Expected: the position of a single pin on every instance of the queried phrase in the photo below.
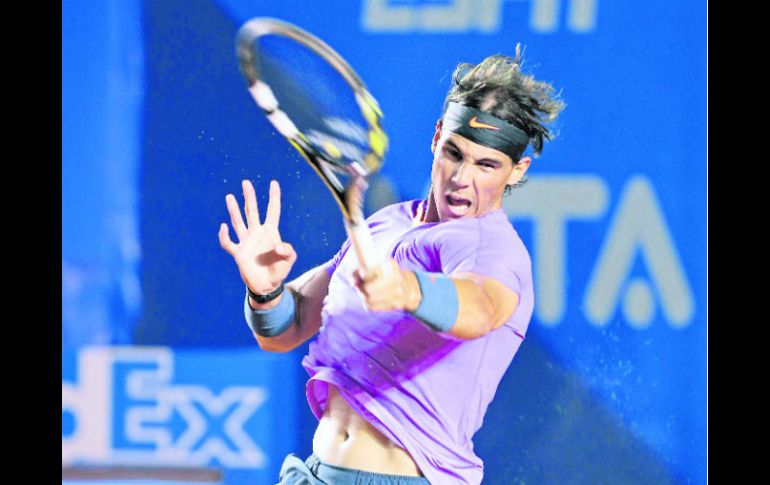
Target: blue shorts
(314, 472)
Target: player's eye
(454, 154)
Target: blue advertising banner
(610, 385)
(155, 406)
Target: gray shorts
(314, 472)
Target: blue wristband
(439, 305)
(272, 322)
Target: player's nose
(462, 175)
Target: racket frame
(349, 197)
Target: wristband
(265, 298)
(439, 305)
(272, 322)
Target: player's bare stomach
(345, 439)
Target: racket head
(315, 99)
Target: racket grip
(361, 240)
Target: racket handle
(361, 240)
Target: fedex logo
(125, 409)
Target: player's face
(468, 179)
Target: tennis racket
(314, 98)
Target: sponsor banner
(153, 406)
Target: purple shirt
(426, 391)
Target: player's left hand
(388, 287)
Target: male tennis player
(408, 356)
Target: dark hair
(498, 87)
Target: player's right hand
(263, 260)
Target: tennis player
(408, 356)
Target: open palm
(263, 259)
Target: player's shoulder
(498, 231)
(490, 234)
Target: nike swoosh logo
(474, 123)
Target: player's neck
(429, 212)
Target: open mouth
(458, 204)
(458, 201)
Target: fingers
(235, 216)
(225, 241)
(286, 251)
(273, 215)
(250, 203)
(358, 280)
(383, 287)
(373, 286)
(385, 269)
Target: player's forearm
(466, 306)
(308, 292)
(286, 340)
(480, 309)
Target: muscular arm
(309, 291)
(264, 261)
(484, 304)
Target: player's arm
(292, 316)
(484, 304)
(465, 305)
(308, 292)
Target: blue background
(157, 127)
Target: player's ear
(519, 169)
(436, 136)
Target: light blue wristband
(439, 305)
(272, 322)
